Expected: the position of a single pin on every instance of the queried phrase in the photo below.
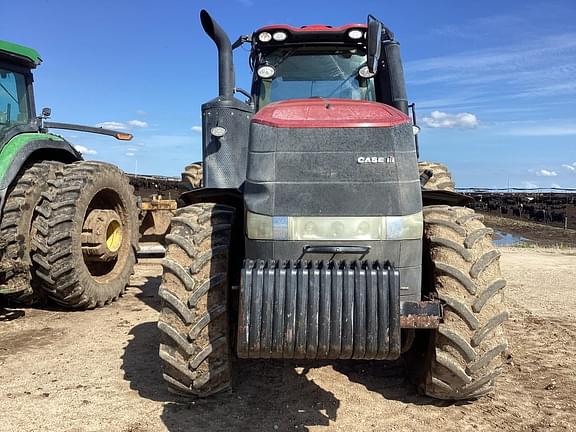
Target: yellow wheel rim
(114, 236)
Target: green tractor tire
(85, 236)
(23, 196)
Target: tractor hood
(329, 113)
(331, 157)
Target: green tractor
(68, 227)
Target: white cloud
(507, 72)
(197, 129)
(138, 123)
(141, 112)
(570, 167)
(85, 150)
(112, 125)
(546, 173)
(130, 154)
(439, 119)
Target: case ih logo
(375, 159)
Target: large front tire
(86, 236)
(464, 356)
(194, 321)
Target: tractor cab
(310, 62)
(355, 61)
(16, 95)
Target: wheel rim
(105, 236)
(114, 236)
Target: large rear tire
(194, 321)
(464, 356)
(19, 212)
(441, 178)
(86, 235)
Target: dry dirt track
(98, 371)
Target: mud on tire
(19, 212)
(57, 253)
(194, 320)
(441, 178)
(464, 356)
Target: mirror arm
(245, 93)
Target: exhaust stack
(225, 61)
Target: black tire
(441, 178)
(194, 323)
(19, 211)
(462, 359)
(59, 262)
(193, 176)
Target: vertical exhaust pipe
(225, 61)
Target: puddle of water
(503, 239)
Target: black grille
(319, 310)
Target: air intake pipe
(396, 76)
(225, 61)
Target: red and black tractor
(315, 235)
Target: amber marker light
(124, 136)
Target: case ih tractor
(68, 228)
(315, 236)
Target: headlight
(364, 72)
(355, 34)
(279, 36)
(338, 228)
(258, 227)
(266, 72)
(264, 37)
(404, 227)
(317, 228)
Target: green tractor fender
(31, 147)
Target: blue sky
(494, 81)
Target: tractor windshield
(307, 72)
(14, 107)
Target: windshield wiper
(352, 75)
(284, 57)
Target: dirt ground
(99, 371)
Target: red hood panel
(329, 113)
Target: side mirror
(374, 43)
(46, 112)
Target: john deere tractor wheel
(19, 211)
(464, 356)
(192, 176)
(86, 235)
(194, 321)
(441, 178)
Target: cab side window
(13, 99)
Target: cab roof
(315, 34)
(19, 54)
(311, 28)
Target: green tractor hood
(19, 54)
